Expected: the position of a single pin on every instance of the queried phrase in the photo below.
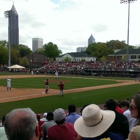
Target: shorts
(47, 86)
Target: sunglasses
(132, 107)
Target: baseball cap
(59, 114)
(45, 114)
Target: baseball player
(9, 83)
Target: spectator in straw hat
(94, 123)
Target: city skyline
(69, 23)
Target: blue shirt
(72, 117)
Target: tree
(23, 50)
(14, 56)
(67, 59)
(40, 51)
(98, 50)
(115, 44)
(91, 49)
(101, 50)
(51, 50)
(24, 61)
(3, 43)
(3, 55)
(104, 58)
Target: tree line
(18, 53)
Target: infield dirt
(20, 94)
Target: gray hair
(20, 124)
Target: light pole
(8, 14)
(31, 64)
(128, 2)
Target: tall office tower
(13, 27)
(81, 49)
(37, 43)
(91, 40)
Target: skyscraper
(13, 27)
(37, 43)
(91, 39)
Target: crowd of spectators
(117, 120)
(78, 67)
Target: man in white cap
(8, 83)
(94, 123)
(44, 119)
(61, 131)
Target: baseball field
(27, 91)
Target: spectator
(121, 124)
(73, 116)
(2, 131)
(48, 124)
(94, 123)
(21, 124)
(43, 119)
(61, 131)
(40, 123)
(132, 121)
(81, 110)
(135, 113)
(118, 109)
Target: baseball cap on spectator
(45, 114)
(59, 114)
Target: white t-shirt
(8, 82)
(56, 73)
(132, 121)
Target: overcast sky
(69, 23)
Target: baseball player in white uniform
(9, 83)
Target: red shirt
(61, 86)
(62, 132)
(46, 82)
(118, 109)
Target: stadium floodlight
(127, 2)
(8, 14)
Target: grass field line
(47, 76)
(40, 94)
(99, 87)
(98, 78)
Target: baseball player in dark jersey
(46, 86)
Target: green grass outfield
(70, 82)
(49, 103)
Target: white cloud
(69, 23)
